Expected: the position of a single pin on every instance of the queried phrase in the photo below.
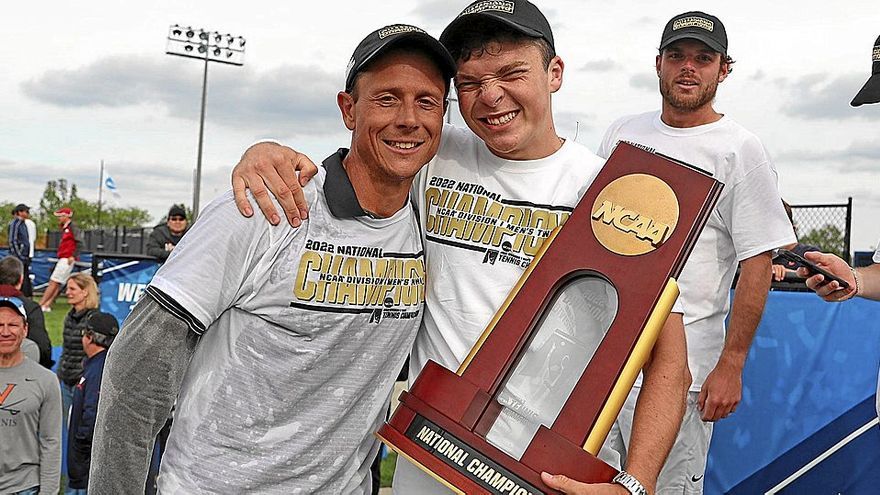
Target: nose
(406, 116)
(491, 93)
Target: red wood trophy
(542, 386)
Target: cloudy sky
(90, 81)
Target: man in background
(165, 237)
(11, 278)
(30, 412)
(68, 253)
(747, 224)
(22, 237)
(101, 329)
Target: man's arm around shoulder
(141, 380)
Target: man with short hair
(286, 357)
(165, 237)
(30, 412)
(747, 224)
(22, 237)
(511, 173)
(68, 253)
(11, 279)
(100, 330)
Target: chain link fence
(123, 240)
(826, 226)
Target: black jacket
(36, 324)
(72, 353)
(158, 237)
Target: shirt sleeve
(211, 268)
(50, 438)
(754, 214)
(606, 146)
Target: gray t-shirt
(30, 428)
(306, 330)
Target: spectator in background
(165, 237)
(82, 294)
(68, 253)
(100, 330)
(11, 277)
(30, 419)
(22, 236)
(780, 265)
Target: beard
(679, 101)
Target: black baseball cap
(698, 26)
(521, 15)
(870, 92)
(381, 40)
(177, 211)
(20, 207)
(102, 323)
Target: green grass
(55, 319)
(386, 469)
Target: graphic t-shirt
(747, 220)
(484, 218)
(305, 331)
(30, 428)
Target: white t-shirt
(748, 219)
(483, 218)
(306, 330)
(32, 234)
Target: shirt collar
(338, 190)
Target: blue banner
(44, 261)
(123, 280)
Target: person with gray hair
(11, 280)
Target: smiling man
(284, 355)
(747, 223)
(487, 202)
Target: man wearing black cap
(747, 224)
(487, 202)
(30, 411)
(870, 92)
(165, 237)
(284, 353)
(22, 237)
(100, 330)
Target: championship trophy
(542, 386)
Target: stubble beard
(688, 103)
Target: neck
(13, 359)
(93, 350)
(377, 194)
(674, 117)
(79, 307)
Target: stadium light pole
(209, 46)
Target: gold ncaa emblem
(634, 214)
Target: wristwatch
(630, 482)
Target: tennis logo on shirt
(634, 214)
(469, 216)
(360, 279)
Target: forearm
(661, 404)
(748, 306)
(141, 380)
(869, 282)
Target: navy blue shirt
(82, 421)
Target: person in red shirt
(68, 253)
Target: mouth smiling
(500, 119)
(403, 145)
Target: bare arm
(270, 167)
(142, 376)
(658, 413)
(722, 390)
(868, 285)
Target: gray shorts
(685, 467)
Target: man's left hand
(71, 260)
(721, 392)
(567, 485)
